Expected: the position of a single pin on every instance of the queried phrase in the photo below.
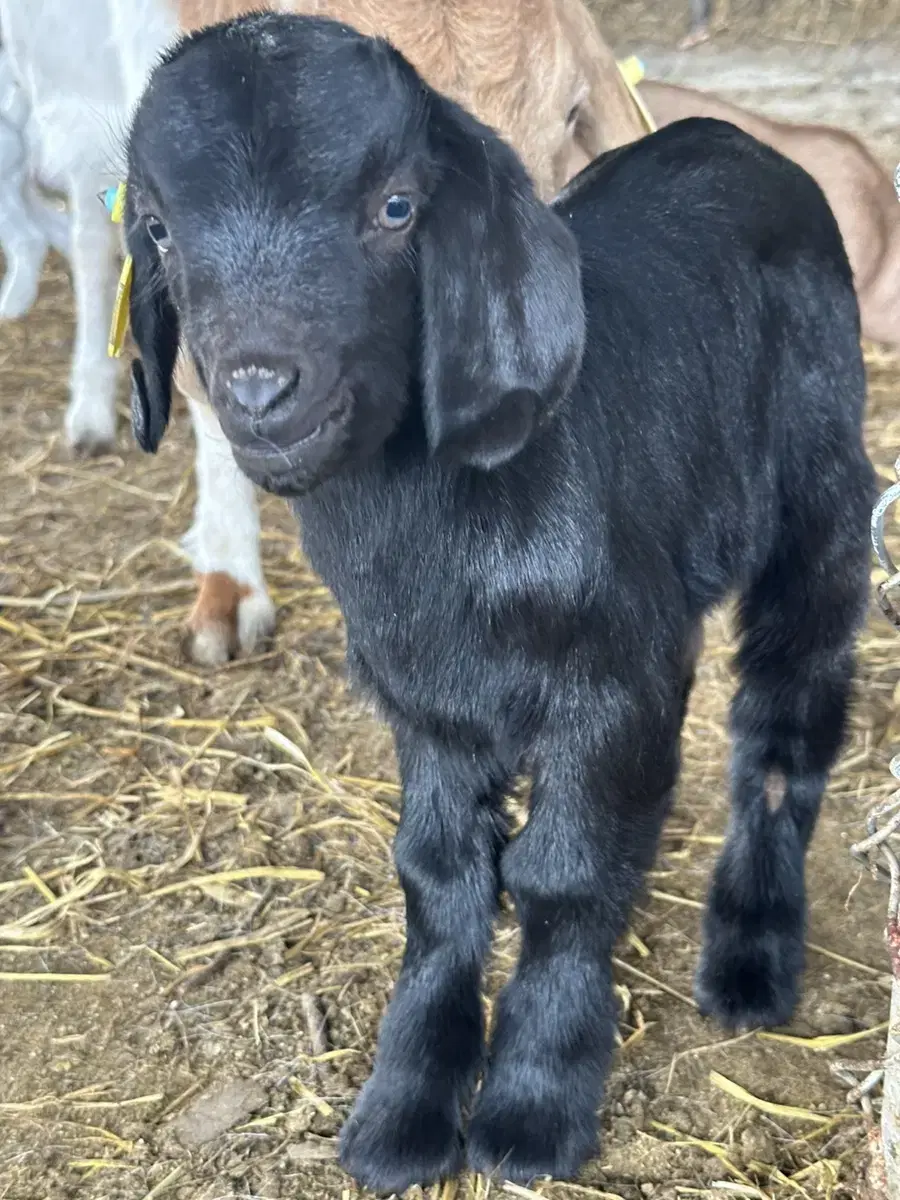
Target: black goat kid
(529, 448)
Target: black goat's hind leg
(406, 1127)
(799, 623)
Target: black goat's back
(723, 369)
(707, 180)
(718, 406)
(716, 415)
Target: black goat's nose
(257, 387)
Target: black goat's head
(328, 237)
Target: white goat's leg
(22, 239)
(52, 221)
(233, 612)
(699, 32)
(91, 415)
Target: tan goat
(535, 70)
(858, 189)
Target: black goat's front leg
(601, 794)
(406, 1127)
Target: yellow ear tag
(114, 199)
(119, 322)
(632, 71)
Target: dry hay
(196, 883)
(757, 23)
(196, 887)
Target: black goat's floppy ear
(502, 308)
(154, 327)
(142, 422)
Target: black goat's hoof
(748, 981)
(393, 1140)
(521, 1139)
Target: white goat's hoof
(90, 429)
(256, 621)
(228, 619)
(91, 443)
(17, 298)
(696, 37)
(210, 645)
(22, 280)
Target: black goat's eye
(396, 213)
(159, 233)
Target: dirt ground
(199, 920)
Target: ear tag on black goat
(114, 200)
(632, 71)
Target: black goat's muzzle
(283, 425)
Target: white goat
(28, 224)
(68, 80)
(68, 111)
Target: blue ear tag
(109, 198)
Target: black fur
(543, 614)
(154, 325)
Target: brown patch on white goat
(212, 628)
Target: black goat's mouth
(261, 457)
